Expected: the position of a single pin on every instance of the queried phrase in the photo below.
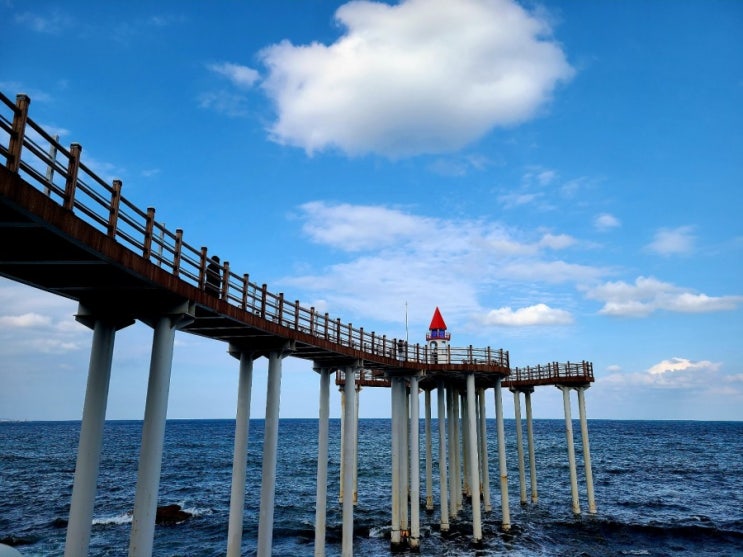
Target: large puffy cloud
(648, 294)
(422, 76)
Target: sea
(662, 488)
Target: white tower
(438, 339)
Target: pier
(67, 231)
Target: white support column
(270, 449)
(484, 453)
(321, 497)
(457, 453)
(415, 526)
(451, 418)
(532, 452)
(357, 391)
(586, 449)
(343, 444)
(519, 446)
(466, 441)
(506, 520)
(240, 456)
(91, 437)
(395, 534)
(153, 433)
(405, 460)
(571, 448)
(474, 472)
(429, 454)
(443, 483)
(349, 458)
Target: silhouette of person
(213, 276)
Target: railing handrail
(82, 191)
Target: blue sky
(562, 179)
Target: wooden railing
(552, 372)
(44, 163)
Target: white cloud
(674, 365)
(23, 321)
(422, 76)
(673, 241)
(605, 221)
(673, 373)
(648, 294)
(539, 314)
(52, 24)
(224, 102)
(240, 76)
(398, 255)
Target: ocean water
(662, 488)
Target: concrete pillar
(457, 453)
(519, 446)
(270, 448)
(153, 432)
(506, 512)
(395, 533)
(91, 437)
(484, 453)
(405, 460)
(452, 453)
(349, 458)
(586, 449)
(357, 390)
(321, 497)
(466, 441)
(343, 444)
(571, 448)
(429, 454)
(474, 472)
(415, 526)
(240, 456)
(443, 483)
(530, 440)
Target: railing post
(338, 330)
(17, 132)
(71, 183)
(361, 338)
(246, 286)
(296, 315)
(326, 325)
(177, 251)
(373, 347)
(225, 280)
(148, 228)
(264, 290)
(113, 208)
(312, 320)
(280, 310)
(202, 268)
(350, 335)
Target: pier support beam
(571, 448)
(270, 446)
(321, 498)
(153, 430)
(240, 456)
(452, 449)
(415, 525)
(586, 449)
(443, 482)
(429, 454)
(506, 512)
(484, 452)
(349, 473)
(91, 431)
(474, 472)
(395, 533)
(519, 445)
(530, 441)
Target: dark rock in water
(59, 523)
(14, 541)
(169, 515)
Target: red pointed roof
(437, 322)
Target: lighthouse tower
(438, 339)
